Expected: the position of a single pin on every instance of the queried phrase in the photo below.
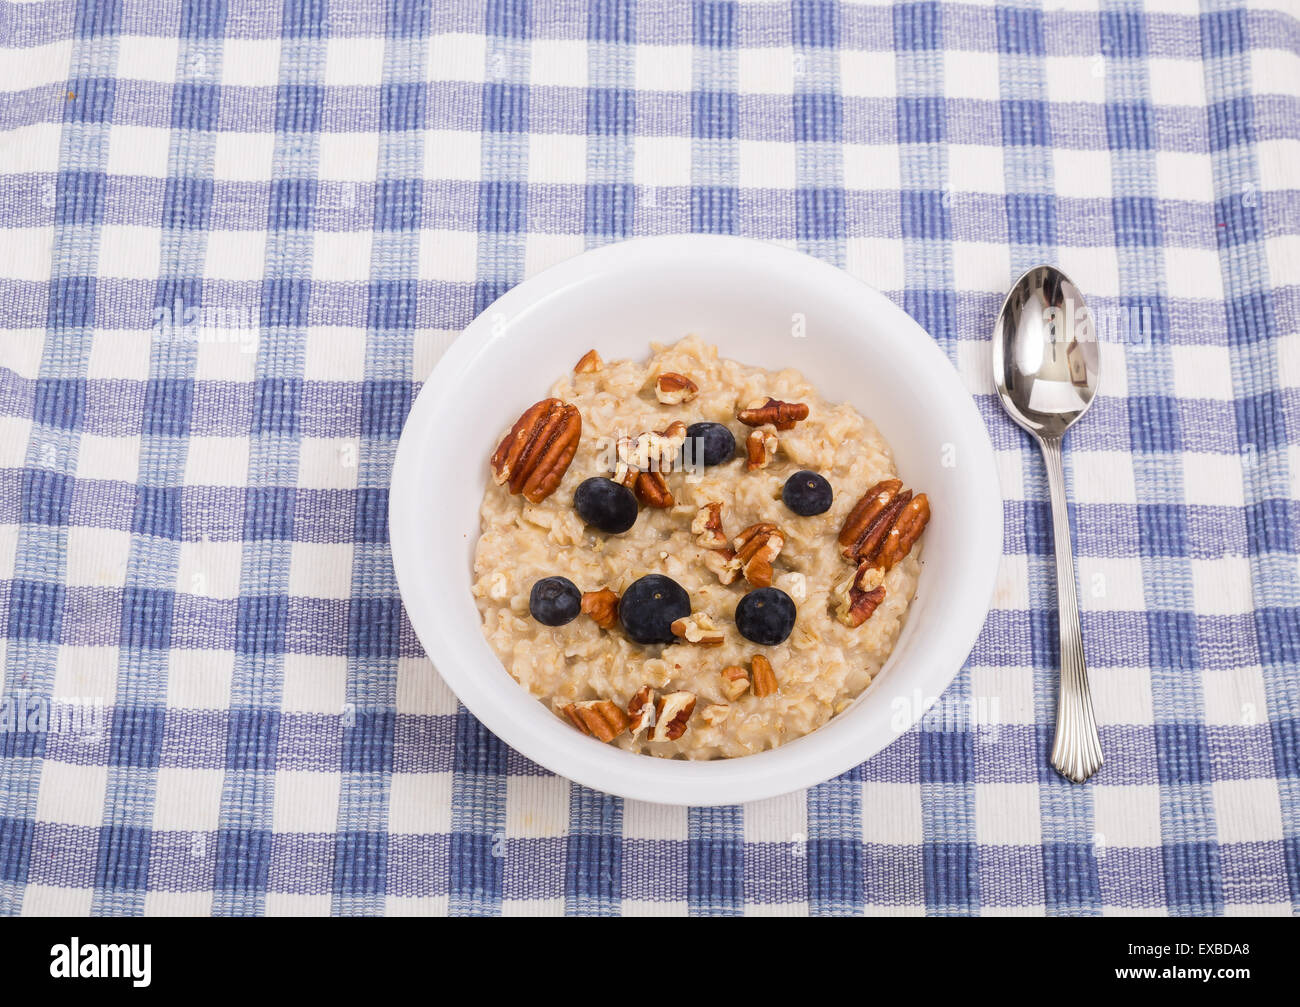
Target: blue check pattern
(238, 235)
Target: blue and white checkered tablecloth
(236, 237)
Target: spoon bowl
(1045, 360)
(1046, 368)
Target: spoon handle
(1076, 753)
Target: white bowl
(748, 298)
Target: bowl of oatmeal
(695, 520)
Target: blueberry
(807, 493)
(709, 444)
(650, 606)
(555, 601)
(765, 616)
(605, 504)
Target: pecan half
(535, 454)
(699, 629)
(673, 389)
(671, 714)
(602, 606)
(764, 678)
(871, 518)
(756, 547)
(719, 561)
(782, 415)
(884, 525)
(641, 710)
(707, 526)
(589, 364)
(599, 718)
(735, 680)
(909, 524)
(760, 448)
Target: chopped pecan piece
(643, 461)
(624, 471)
(600, 718)
(756, 547)
(764, 678)
(735, 680)
(654, 450)
(674, 436)
(671, 714)
(535, 454)
(868, 577)
(651, 488)
(673, 389)
(884, 525)
(707, 526)
(698, 628)
(719, 561)
(589, 364)
(760, 448)
(863, 604)
(641, 710)
(859, 595)
(602, 606)
(715, 714)
(782, 415)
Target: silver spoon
(1045, 368)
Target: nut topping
(760, 447)
(641, 710)
(599, 718)
(907, 528)
(867, 577)
(719, 561)
(884, 525)
(698, 628)
(716, 714)
(859, 595)
(589, 364)
(782, 415)
(651, 489)
(624, 471)
(673, 389)
(535, 454)
(854, 605)
(643, 462)
(735, 680)
(863, 604)
(864, 527)
(654, 450)
(764, 677)
(671, 714)
(878, 533)
(707, 526)
(756, 547)
(602, 606)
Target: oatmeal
(751, 576)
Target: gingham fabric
(237, 236)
